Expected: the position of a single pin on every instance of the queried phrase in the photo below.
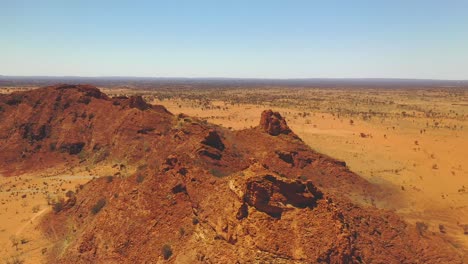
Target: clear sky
(238, 38)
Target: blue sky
(272, 39)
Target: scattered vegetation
(14, 260)
(181, 231)
(53, 146)
(82, 155)
(442, 229)
(465, 229)
(422, 228)
(14, 242)
(98, 206)
(58, 204)
(36, 208)
(166, 251)
(140, 178)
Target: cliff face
(205, 194)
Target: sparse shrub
(14, 260)
(36, 208)
(146, 147)
(195, 220)
(140, 178)
(109, 179)
(14, 242)
(84, 100)
(442, 229)
(57, 206)
(100, 155)
(166, 251)
(435, 167)
(98, 206)
(82, 155)
(421, 227)
(465, 229)
(53, 146)
(180, 124)
(181, 231)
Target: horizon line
(234, 78)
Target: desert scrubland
(413, 141)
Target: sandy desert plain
(413, 140)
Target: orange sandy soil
(24, 199)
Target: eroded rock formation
(274, 124)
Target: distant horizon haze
(227, 83)
(222, 78)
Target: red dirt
(207, 194)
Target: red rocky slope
(206, 194)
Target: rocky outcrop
(213, 140)
(212, 146)
(274, 124)
(272, 195)
(138, 103)
(84, 89)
